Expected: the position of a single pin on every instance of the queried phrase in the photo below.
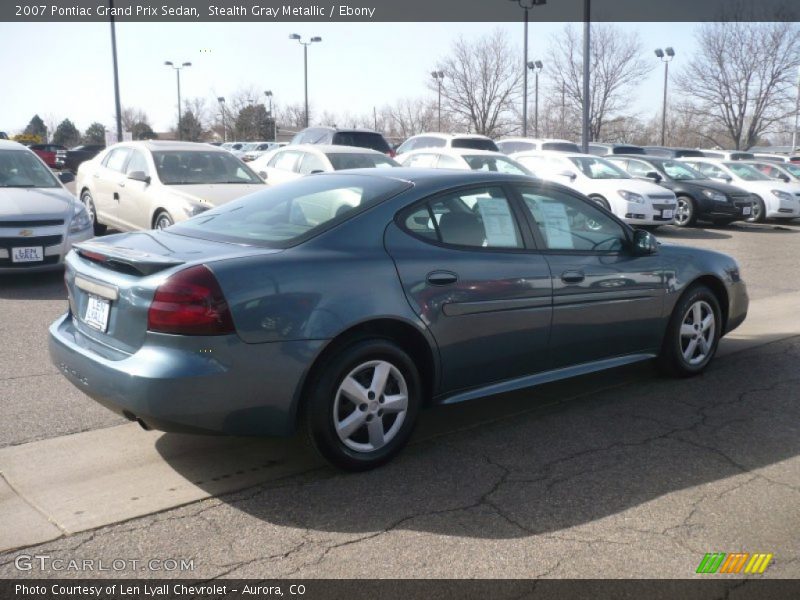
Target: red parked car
(47, 152)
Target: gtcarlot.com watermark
(45, 562)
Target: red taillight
(391, 153)
(190, 302)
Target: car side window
(310, 163)
(711, 170)
(569, 223)
(422, 160)
(116, 159)
(406, 146)
(137, 163)
(478, 218)
(285, 160)
(448, 162)
(638, 168)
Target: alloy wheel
(683, 212)
(697, 333)
(370, 406)
(163, 221)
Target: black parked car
(360, 138)
(698, 196)
(72, 159)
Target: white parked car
(772, 199)
(521, 144)
(39, 218)
(260, 149)
(728, 154)
(463, 159)
(471, 141)
(292, 162)
(785, 171)
(635, 201)
(153, 184)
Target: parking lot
(622, 474)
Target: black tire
(326, 404)
(685, 212)
(601, 201)
(759, 211)
(88, 202)
(162, 220)
(673, 357)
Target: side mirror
(654, 176)
(727, 178)
(66, 177)
(784, 178)
(568, 174)
(315, 171)
(644, 243)
(139, 176)
(263, 175)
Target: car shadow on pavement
(45, 285)
(695, 233)
(551, 458)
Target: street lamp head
(530, 65)
(670, 52)
(539, 65)
(294, 36)
(268, 93)
(659, 53)
(168, 63)
(186, 64)
(221, 99)
(316, 38)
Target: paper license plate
(746, 210)
(667, 214)
(97, 311)
(27, 254)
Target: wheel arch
(409, 337)
(154, 215)
(717, 287)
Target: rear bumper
(191, 384)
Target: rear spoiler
(124, 259)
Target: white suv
(771, 199)
(635, 201)
(471, 141)
(521, 144)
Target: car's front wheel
(91, 209)
(692, 334)
(759, 211)
(363, 404)
(685, 213)
(162, 220)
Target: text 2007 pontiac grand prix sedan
(346, 302)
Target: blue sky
(63, 70)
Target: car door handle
(572, 277)
(442, 278)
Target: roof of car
(455, 152)
(451, 136)
(420, 175)
(331, 149)
(11, 145)
(170, 145)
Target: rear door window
(361, 139)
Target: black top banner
(397, 10)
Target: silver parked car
(153, 184)
(39, 218)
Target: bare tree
(616, 67)
(482, 84)
(410, 116)
(742, 77)
(291, 117)
(130, 116)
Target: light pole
(587, 51)
(296, 36)
(796, 114)
(666, 55)
(527, 5)
(178, 73)
(439, 76)
(221, 101)
(268, 94)
(117, 104)
(536, 66)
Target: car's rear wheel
(759, 211)
(88, 202)
(162, 220)
(692, 334)
(685, 212)
(363, 404)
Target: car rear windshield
(628, 150)
(197, 167)
(474, 144)
(351, 160)
(361, 139)
(22, 169)
(499, 164)
(561, 146)
(288, 214)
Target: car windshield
(292, 212)
(474, 144)
(22, 169)
(560, 147)
(746, 172)
(597, 168)
(197, 167)
(511, 147)
(680, 171)
(495, 163)
(351, 160)
(793, 169)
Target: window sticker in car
(554, 222)
(498, 223)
